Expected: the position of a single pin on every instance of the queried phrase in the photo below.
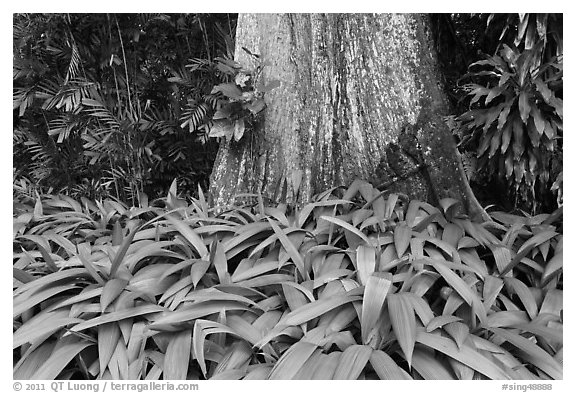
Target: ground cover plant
(357, 284)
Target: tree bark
(360, 97)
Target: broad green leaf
(90, 268)
(524, 106)
(292, 360)
(22, 276)
(492, 287)
(549, 333)
(429, 367)
(64, 351)
(108, 338)
(31, 361)
(535, 355)
(525, 295)
(171, 320)
(386, 367)
(110, 292)
(203, 328)
(177, 355)
(403, 323)
(348, 227)
(462, 288)
(136, 341)
(553, 302)
(117, 234)
(440, 321)
(308, 369)
(402, 236)
(117, 316)
(191, 236)
(316, 309)
(528, 246)
(180, 287)
(218, 259)
(421, 307)
(294, 298)
(506, 318)
(327, 367)
(236, 357)
(377, 287)
(198, 270)
(290, 248)
(458, 331)
(118, 259)
(259, 372)
(29, 302)
(256, 270)
(365, 262)
(41, 326)
(553, 267)
(213, 294)
(468, 356)
(352, 362)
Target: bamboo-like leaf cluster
(353, 285)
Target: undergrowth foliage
(357, 284)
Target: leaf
(458, 331)
(117, 316)
(440, 321)
(365, 262)
(42, 326)
(524, 106)
(229, 90)
(377, 287)
(402, 236)
(122, 251)
(117, 234)
(110, 292)
(530, 244)
(535, 355)
(292, 360)
(470, 357)
(462, 288)
(221, 128)
(525, 295)
(191, 236)
(26, 304)
(386, 367)
(315, 309)
(290, 248)
(177, 355)
(198, 270)
(108, 338)
(218, 259)
(403, 323)
(327, 367)
(553, 267)
(352, 362)
(171, 320)
(429, 367)
(347, 226)
(64, 351)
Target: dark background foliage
(119, 105)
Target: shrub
(357, 284)
(515, 120)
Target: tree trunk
(360, 97)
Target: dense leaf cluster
(512, 127)
(101, 101)
(357, 284)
